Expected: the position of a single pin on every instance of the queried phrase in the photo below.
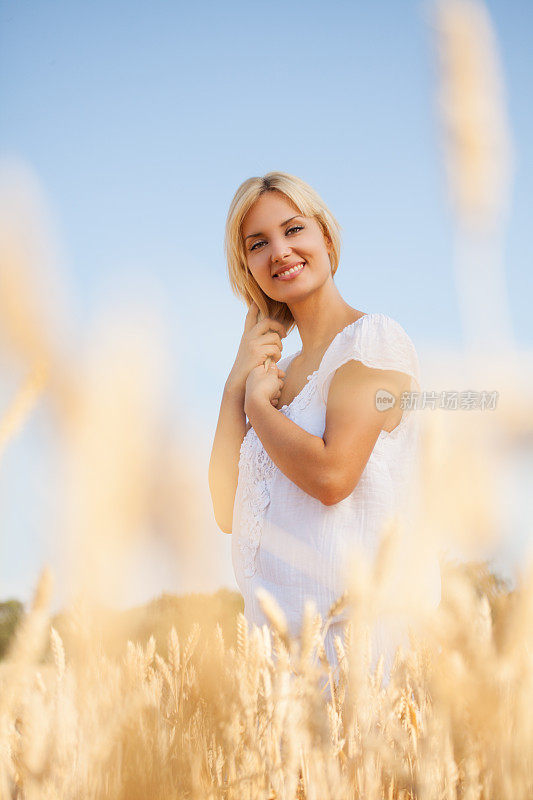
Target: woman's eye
(294, 228)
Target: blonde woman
(318, 465)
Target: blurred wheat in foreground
(205, 719)
(198, 705)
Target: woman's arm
(298, 454)
(329, 467)
(259, 341)
(224, 461)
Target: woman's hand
(263, 386)
(259, 340)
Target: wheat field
(201, 717)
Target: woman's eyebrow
(251, 235)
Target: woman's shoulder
(375, 333)
(377, 340)
(394, 336)
(378, 321)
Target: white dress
(292, 544)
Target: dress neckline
(315, 372)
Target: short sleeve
(377, 341)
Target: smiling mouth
(287, 274)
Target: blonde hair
(308, 203)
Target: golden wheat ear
(268, 358)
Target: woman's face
(276, 236)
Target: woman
(321, 463)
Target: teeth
(292, 269)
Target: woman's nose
(278, 250)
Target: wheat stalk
(58, 651)
(274, 614)
(25, 399)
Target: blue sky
(141, 119)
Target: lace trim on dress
(257, 469)
(305, 395)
